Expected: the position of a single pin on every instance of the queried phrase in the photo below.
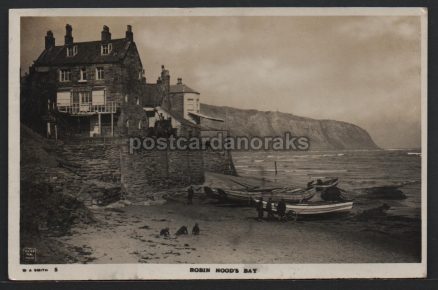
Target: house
(80, 88)
(98, 89)
(184, 102)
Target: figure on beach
(195, 230)
(269, 209)
(259, 208)
(190, 193)
(281, 209)
(165, 232)
(182, 231)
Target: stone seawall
(147, 169)
(109, 161)
(98, 161)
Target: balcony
(89, 108)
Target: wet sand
(231, 234)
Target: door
(85, 101)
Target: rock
(374, 213)
(383, 192)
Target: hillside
(323, 134)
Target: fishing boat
(323, 183)
(289, 196)
(319, 207)
(292, 195)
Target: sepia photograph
(217, 143)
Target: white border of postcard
(182, 271)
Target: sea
(357, 170)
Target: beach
(230, 234)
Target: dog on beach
(164, 232)
(195, 230)
(182, 231)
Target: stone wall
(98, 160)
(109, 160)
(147, 169)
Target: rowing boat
(323, 183)
(294, 196)
(314, 208)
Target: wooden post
(275, 164)
(112, 124)
(100, 124)
(56, 132)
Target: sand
(231, 234)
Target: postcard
(217, 143)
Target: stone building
(85, 89)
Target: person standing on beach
(259, 208)
(190, 194)
(269, 209)
(281, 209)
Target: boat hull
(245, 196)
(314, 208)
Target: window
(100, 73)
(63, 98)
(64, 75)
(83, 75)
(137, 100)
(98, 97)
(85, 97)
(106, 49)
(139, 124)
(127, 123)
(72, 50)
(140, 74)
(190, 104)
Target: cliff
(323, 134)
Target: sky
(359, 69)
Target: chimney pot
(179, 81)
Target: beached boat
(289, 196)
(292, 195)
(320, 207)
(323, 183)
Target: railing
(109, 107)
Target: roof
(179, 119)
(181, 88)
(88, 53)
(206, 117)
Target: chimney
(50, 40)
(165, 76)
(68, 35)
(129, 34)
(179, 81)
(106, 34)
